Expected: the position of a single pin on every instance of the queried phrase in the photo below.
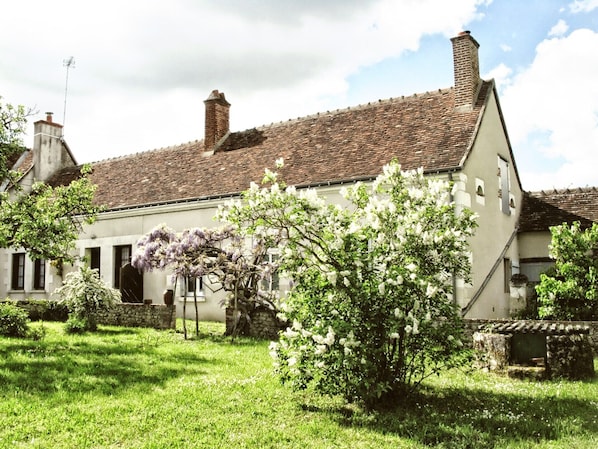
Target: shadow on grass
(470, 418)
(86, 363)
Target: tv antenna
(68, 63)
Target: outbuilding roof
(544, 209)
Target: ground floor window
(122, 256)
(190, 287)
(39, 274)
(18, 272)
(271, 281)
(93, 258)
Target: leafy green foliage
(13, 122)
(85, 294)
(569, 291)
(13, 320)
(370, 307)
(46, 220)
(75, 325)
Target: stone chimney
(48, 148)
(217, 119)
(467, 70)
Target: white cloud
(145, 67)
(551, 108)
(559, 29)
(501, 75)
(583, 6)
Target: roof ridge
(138, 153)
(361, 106)
(564, 190)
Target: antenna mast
(68, 63)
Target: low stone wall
(262, 323)
(569, 357)
(158, 316)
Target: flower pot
(169, 297)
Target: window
(18, 272)
(39, 274)
(480, 189)
(122, 256)
(503, 175)
(271, 281)
(508, 272)
(93, 258)
(193, 285)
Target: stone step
(526, 372)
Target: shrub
(37, 333)
(76, 325)
(13, 320)
(371, 307)
(569, 290)
(85, 293)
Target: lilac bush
(371, 307)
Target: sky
(142, 68)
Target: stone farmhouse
(457, 134)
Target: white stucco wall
(495, 227)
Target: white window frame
(188, 296)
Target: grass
(141, 388)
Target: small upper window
(503, 181)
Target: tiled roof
(419, 131)
(21, 162)
(552, 208)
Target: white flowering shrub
(370, 308)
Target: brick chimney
(467, 70)
(217, 119)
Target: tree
(370, 305)
(47, 220)
(569, 291)
(218, 254)
(13, 120)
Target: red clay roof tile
(419, 131)
(542, 210)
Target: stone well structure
(536, 349)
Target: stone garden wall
(262, 323)
(158, 316)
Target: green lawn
(141, 388)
